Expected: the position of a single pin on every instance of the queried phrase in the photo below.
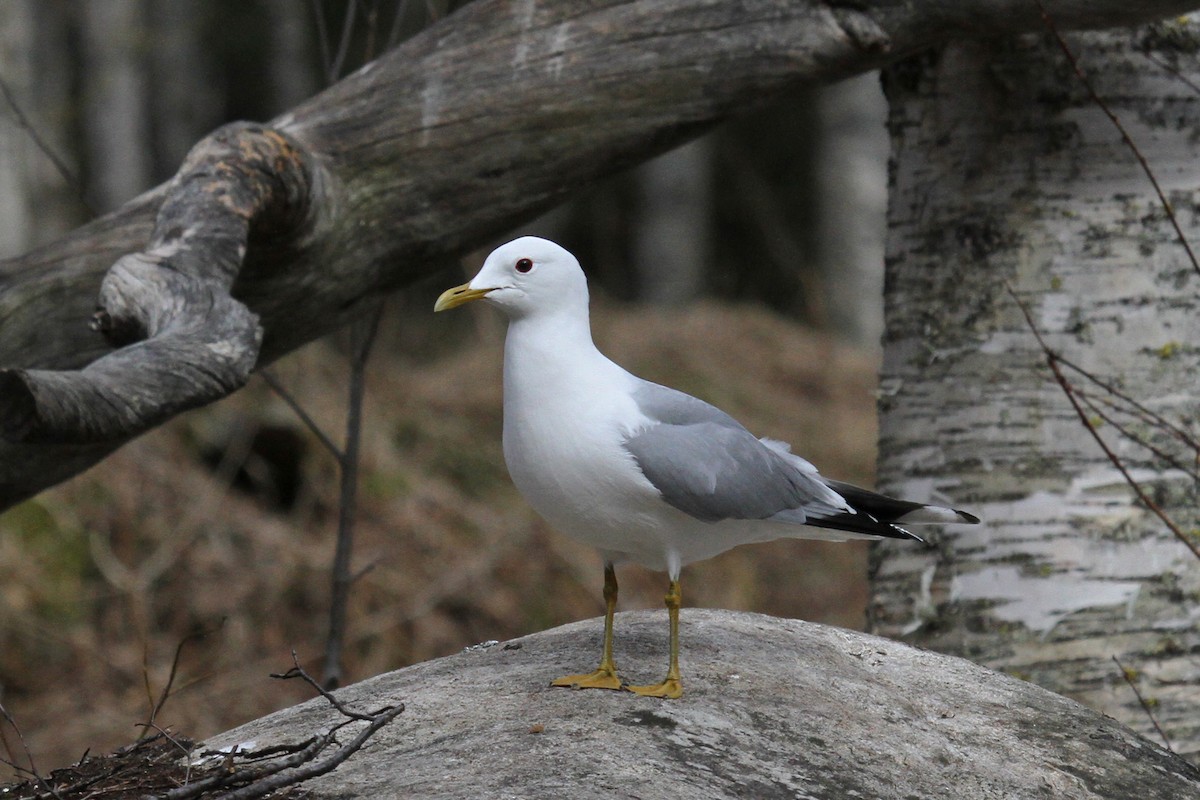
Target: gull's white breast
(568, 410)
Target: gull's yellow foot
(670, 689)
(605, 677)
(602, 678)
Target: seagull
(642, 472)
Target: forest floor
(212, 538)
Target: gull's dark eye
(524, 265)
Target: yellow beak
(453, 298)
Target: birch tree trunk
(1006, 173)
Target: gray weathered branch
(189, 341)
(492, 115)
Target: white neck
(548, 343)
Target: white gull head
(527, 276)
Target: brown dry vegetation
(101, 579)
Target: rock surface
(772, 708)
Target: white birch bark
(1005, 173)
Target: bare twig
(1162, 64)
(1150, 415)
(1108, 112)
(166, 690)
(394, 34)
(1128, 675)
(316, 768)
(1095, 404)
(279, 766)
(335, 69)
(1053, 360)
(322, 36)
(298, 671)
(248, 778)
(371, 14)
(299, 411)
(31, 770)
(362, 336)
(63, 170)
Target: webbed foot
(669, 689)
(602, 678)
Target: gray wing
(707, 465)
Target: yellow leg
(605, 676)
(671, 687)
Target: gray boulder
(772, 708)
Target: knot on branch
(860, 27)
(184, 339)
(243, 186)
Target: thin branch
(44, 146)
(32, 771)
(322, 36)
(1157, 419)
(300, 760)
(394, 34)
(1052, 360)
(298, 671)
(296, 408)
(372, 20)
(1162, 64)
(227, 776)
(166, 691)
(1087, 84)
(1094, 405)
(362, 334)
(316, 768)
(1128, 675)
(335, 69)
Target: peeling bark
(1006, 174)
(485, 119)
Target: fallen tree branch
(189, 341)
(272, 236)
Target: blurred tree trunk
(54, 189)
(289, 62)
(115, 100)
(671, 225)
(182, 89)
(1006, 173)
(16, 149)
(851, 173)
